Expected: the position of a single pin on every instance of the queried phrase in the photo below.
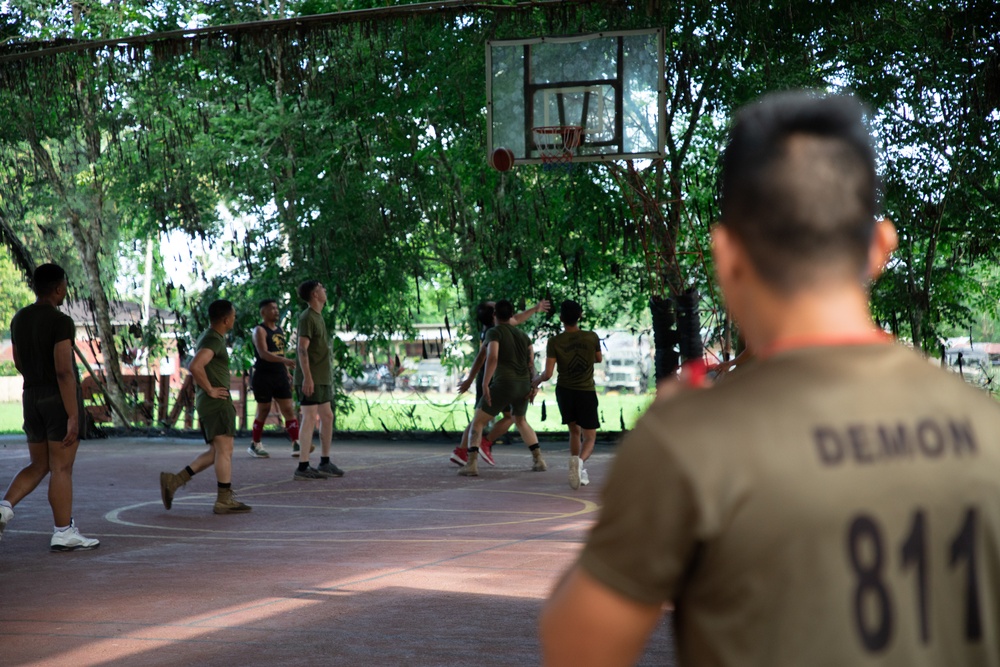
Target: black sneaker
(329, 470)
(307, 475)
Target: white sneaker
(71, 540)
(257, 451)
(6, 514)
(574, 472)
(584, 477)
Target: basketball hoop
(557, 144)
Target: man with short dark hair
(270, 379)
(510, 368)
(314, 383)
(834, 502)
(216, 413)
(42, 343)
(575, 351)
(484, 316)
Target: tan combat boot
(471, 469)
(538, 463)
(169, 483)
(226, 503)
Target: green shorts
(503, 393)
(217, 417)
(322, 393)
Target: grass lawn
(415, 411)
(400, 411)
(10, 418)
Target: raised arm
(539, 307)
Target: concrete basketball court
(401, 562)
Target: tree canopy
(347, 137)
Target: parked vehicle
(626, 372)
(431, 374)
(372, 377)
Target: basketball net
(557, 144)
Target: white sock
(6, 503)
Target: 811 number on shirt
(870, 553)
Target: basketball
(502, 159)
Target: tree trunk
(86, 238)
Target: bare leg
(574, 439)
(309, 417)
(29, 477)
(223, 446)
(204, 461)
(501, 427)
(61, 481)
(287, 410)
(524, 428)
(479, 422)
(589, 440)
(263, 410)
(326, 428)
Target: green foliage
(14, 291)
(353, 154)
(7, 369)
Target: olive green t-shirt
(575, 353)
(825, 506)
(513, 353)
(217, 369)
(34, 331)
(313, 326)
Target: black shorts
(45, 417)
(576, 405)
(270, 386)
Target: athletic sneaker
(574, 472)
(329, 470)
(257, 451)
(6, 514)
(71, 540)
(584, 477)
(538, 463)
(307, 475)
(296, 449)
(460, 456)
(486, 451)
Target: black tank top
(275, 339)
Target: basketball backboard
(611, 84)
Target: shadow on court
(401, 562)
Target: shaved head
(799, 188)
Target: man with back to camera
(314, 383)
(484, 316)
(575, 351)
(837, 502)
(270, 379)
(42, 343)
(216, 413)
(510, 368)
